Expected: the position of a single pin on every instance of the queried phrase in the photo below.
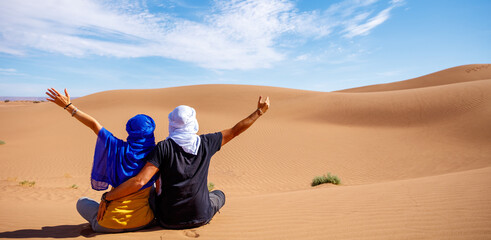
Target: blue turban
(116, 161)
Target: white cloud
(302, 57)
(7, 70)
(390, 73)
(353, 16)
(236, 34)
(361, 29)
(10, 72)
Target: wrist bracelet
(67, 106)
(74, 111)
(260, 112)
(103, 198)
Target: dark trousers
(217, 200)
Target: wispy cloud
(237, 34)
(7, 70)
(390, 73)
(359, 17)
(361, 25)
(10, 72)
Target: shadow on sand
(61, 231)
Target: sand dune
(413, 157)
(458, 74)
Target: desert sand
(414, 159)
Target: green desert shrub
(7, 100)
(74, 186)
(2, 142)
(326, 179)
(210, 186)
(26, 183)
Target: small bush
(318, 181)
(2, 142)
(7, 100)
(326, 179)
(36, 101)
(74, 186)
(210, 186)
(26, 183)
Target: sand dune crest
(458, 74)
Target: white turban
(183, 127)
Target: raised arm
(229, 134)
(64, 102)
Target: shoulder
(162, 143)
(213, 140)
(105, 134)
(160, 149)
(211, 137)
(165, 145)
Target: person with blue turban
(115, 161)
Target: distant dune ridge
(465, 73)
(414, 158)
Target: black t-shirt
(185, 199)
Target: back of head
(183, 127)
(183, 120)
(140, 126)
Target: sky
(88, 46)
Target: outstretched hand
(263, 105)
(56, 97)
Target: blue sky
(90, 46)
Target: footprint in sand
(191, 234)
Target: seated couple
(182, 199)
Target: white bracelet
(260, 112)
(74, 111)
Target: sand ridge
(413, 158)
(465, 73)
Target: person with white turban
(182, 161)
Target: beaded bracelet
(74, 111)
